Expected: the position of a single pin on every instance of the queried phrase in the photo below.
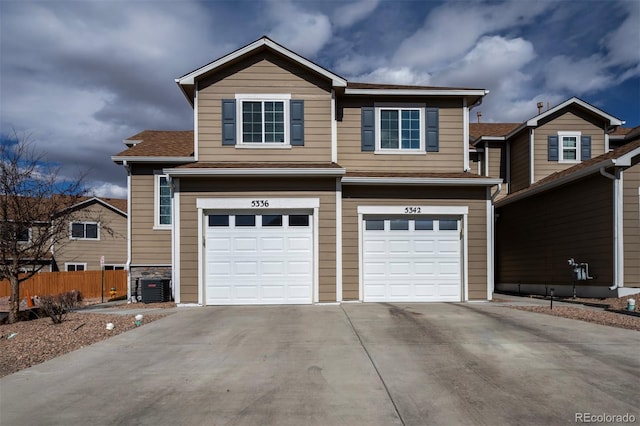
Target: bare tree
(34, 212)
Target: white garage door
(259, 258)
(411, 259)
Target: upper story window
(569, 147)
(263, 121)
(162, 202)
(85, 231)
(400, 129)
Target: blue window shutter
(228, 122)
(296, 112)
(585, 148)
(368, 129)
(432, 129)
(552, 148)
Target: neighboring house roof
(399, 178)
(491, 130)
(170, 145)
(118, 205)
(613, 121)
(502, 131)
(618, 157)
(475, 95)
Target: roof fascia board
(95, 200)
(190, 78)
(613, 121)
(420, 181)
(135, 159)
(254, 172)
(417, 92)
(625, 160)
(556, 183)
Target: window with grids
(400, 128)
(84, 231)
(263, 122)
(569, 147)
(76, 267)
(164, 201)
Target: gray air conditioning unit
(157, 290)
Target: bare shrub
(56, 307)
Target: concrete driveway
(355, 364)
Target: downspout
(617, 228)
(492, 241)
(128, 264)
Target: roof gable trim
(189, 79)
(613, 121)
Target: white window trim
(71, 237)
(114, 265)
(405, 151)
(561, 135)
(29, 239)
(67, 264)
(156, 202)
(262, 97)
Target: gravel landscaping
(32, 342)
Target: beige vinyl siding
(450, 157)
(571, 120)
(191, 189)
(148, 246)
(112, 242)
(355, 196)
(520, 169)
(631, 238)
(536, 236)
(265, 73)
(497, 160)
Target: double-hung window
(85, 231)
(569, 146)
(264, 119)
(162, 202)
(400, 128)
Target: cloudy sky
(79, 76)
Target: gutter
(420, 181)
(151, 159)
(254, 172)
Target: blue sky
(81, 76)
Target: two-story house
(572, 183)
(297, 186)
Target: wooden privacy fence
(89, 283)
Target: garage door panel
(259, 264)
(412, 262)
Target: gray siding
(631, 238)
(536, 236)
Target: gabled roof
(613, 121)
(159, 146)
(620, 157)
(119, 205)
(187, 81)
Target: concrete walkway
(354, 364)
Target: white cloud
(351, 13)
(577, 76)
(109, 190)
(301, 31)
(401, 75)
(623, 44)
(451, 30)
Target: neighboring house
(297, 186)
(98, 227)
(567, 195)
(98, 231)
